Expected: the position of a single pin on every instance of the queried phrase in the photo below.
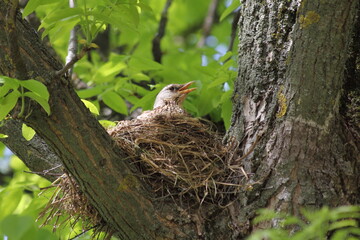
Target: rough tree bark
(292, 59)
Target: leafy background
(122, 74)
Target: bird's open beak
(185, 90)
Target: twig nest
(181, 156)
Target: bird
(169, 101)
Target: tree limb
(156, 48)
(36, 154)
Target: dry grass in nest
(68, 205)
(182, 157)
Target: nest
(182, 157)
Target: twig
(251, 149)
(234, 27)
(209, 21)
(15, 56)
(47, 171)
(43, 173)
(71, 63)
(156, 48)
(83, 232)
(73, 46)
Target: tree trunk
(292, 61)
(288, 97)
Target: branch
(12, 40)
(209, 21)
(73, 44)
(234, 27)
(71, 63)
(36, 154)
(156, 48)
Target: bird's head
(173, 93)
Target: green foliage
(12, 89)
(336, 224)
(20, 205)
(132, 25)
(234, 5)
(27, 132)
(18, 208)
(93, 109)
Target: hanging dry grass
(68, 205)
(182, 156)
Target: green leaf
(342, 224)
(226, 113)
(90, 92)
(36, 87)
(108, 71)
(226, 56)
(3, 135)
(107, 124)
(43, 103)
(9, 200)
(346, 233)
(15, 226)
(93, 109)
(33, 4)
(234, 5)
(220, 80)
(30, 7)
(11, 82)
(140, 76)
(61, 15)
(4, 89)
(7, 103)
(115, 102)
(144, 64)
(147, 101)
(27, 132)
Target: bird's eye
(172, 88)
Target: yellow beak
(185, 90)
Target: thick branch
(36, 154)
